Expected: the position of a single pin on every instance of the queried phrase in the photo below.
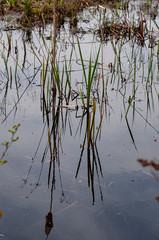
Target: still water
(40, 194)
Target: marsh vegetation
(81, 78)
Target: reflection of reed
(33, 158)
(19, 97)
(53, 149)
(54, 44)
(130, 132)
(93, 159)
(49, 223)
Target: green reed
(91, 72)
(130, 101)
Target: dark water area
(43, 194)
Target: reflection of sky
(128, 209)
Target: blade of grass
(131, 102)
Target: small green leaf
(5, 161)
(5, 144)
(12, 131)
(15, 139)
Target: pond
(72, 169)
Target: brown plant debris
(151, 163)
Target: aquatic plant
(91, 72)
(8, 143)
(130, 101)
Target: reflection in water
(93, 159)
(49, 223)
(131, 134)
(1, 213)
(154, 164)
